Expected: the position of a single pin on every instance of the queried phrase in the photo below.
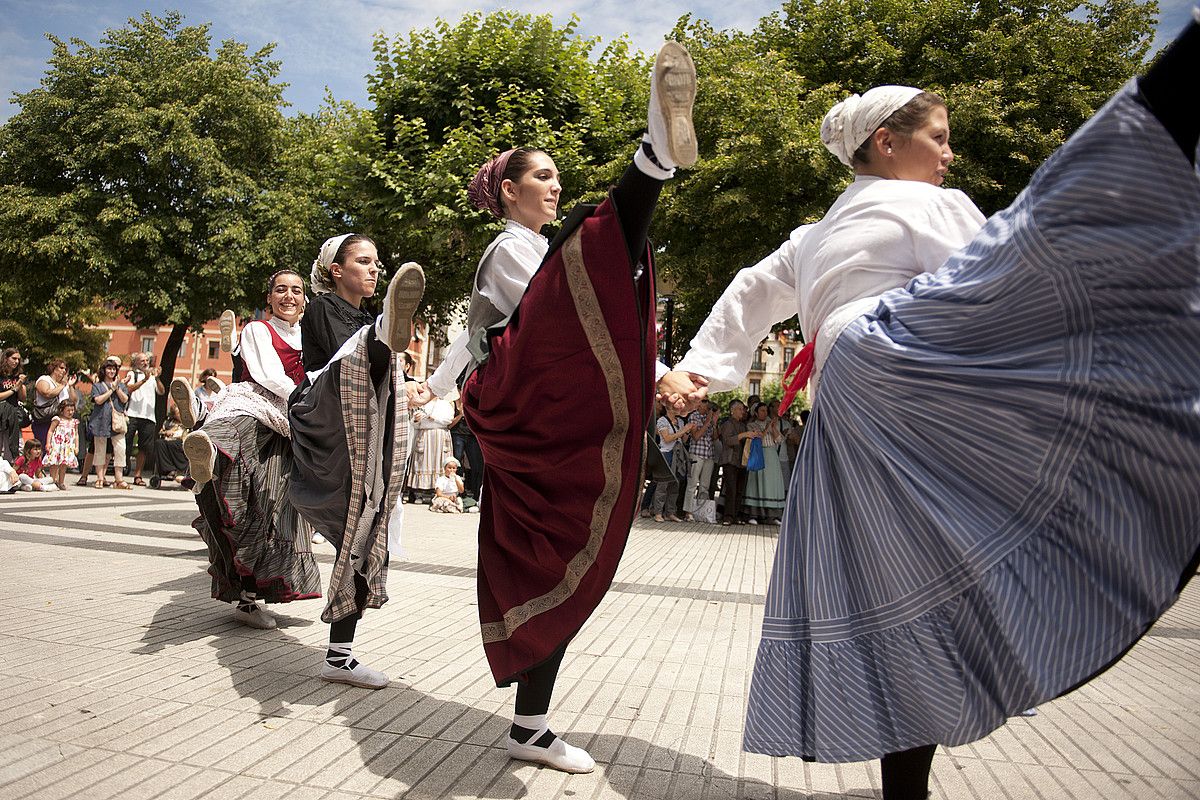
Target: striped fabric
(998, 490)
(246, 519)
(364, 545)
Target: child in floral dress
(62, 446)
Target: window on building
(147, 344)
(214, 349)
(755, 387)
(788, 354)
(759, 362)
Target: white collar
(281, 325)
(535, 238)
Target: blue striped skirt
(999, 488)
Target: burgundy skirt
(560, 410)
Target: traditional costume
(559, 327)
(258, 546)
(996, 495)
(350, 440)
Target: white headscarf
(319, 277)
(852, 121)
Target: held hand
(683, 390)
(418, 393)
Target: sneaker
(403, 296)
(672, 92)
(186, 401)
(228, 326)
(201, 456)
(213, 384)
(559, 755)
(361, 676)
(752, 521)
(257, 617)
(318, 539)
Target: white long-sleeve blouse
(504, 273)
(877, 235)
(258, 352)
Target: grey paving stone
(140, 686)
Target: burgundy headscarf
(484, 189)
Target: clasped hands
(683, 390)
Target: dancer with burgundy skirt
(571, 320)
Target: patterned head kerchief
(320, 277)
(852, 121)
(484, 189)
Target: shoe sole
(403, 297)
(675, 85)
(200, 452)
(181, 393)
(352, 682)
(214, 385)
(227, 323)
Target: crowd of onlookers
(730, 465)
(89, 421)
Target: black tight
(635, 197)
(342, 631)
(533, 693)
(379, 356)
(1169, 90)
(906, 773)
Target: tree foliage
(449, 97)
(1018, 77)
(147, 172)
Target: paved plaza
(123, 679)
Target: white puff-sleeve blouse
(878, 235)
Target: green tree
(1018, 77)
(449, 97)
(148, 172)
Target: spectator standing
(144, 387)
(109, 395)
(49, 392)
(466, 449)
(433, 446)
(733, 474)
(12, 395)
(700, 456)
(764, 487)
(672, 431)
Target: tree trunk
(167, 362)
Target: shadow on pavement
(391, 725)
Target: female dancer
(562, 324)
(240, 460)
(346, 478)
(996, 496)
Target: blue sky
(328, 43)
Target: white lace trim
(249, 399)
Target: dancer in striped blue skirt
(997, 494)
